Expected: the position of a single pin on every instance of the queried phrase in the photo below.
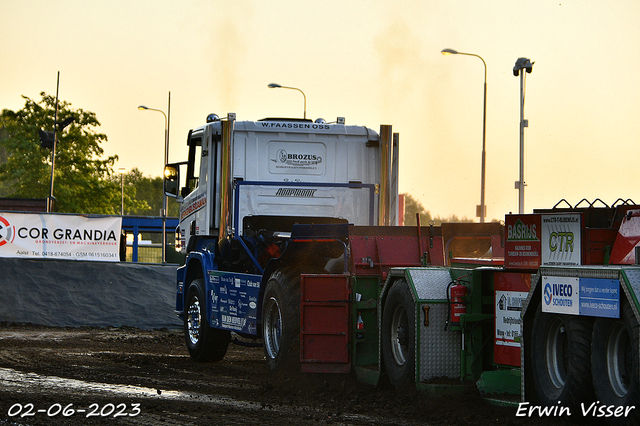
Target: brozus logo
(7, 231)
(284, 157)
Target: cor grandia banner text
(60, 236)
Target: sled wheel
(561, 357)
(281, 320)
(398, 335)
(615, 363)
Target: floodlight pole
(279, 86)
(53, 150)
(482, 208)
(522, 65)
(523, 124)
(166, 160)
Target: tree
(143, 195)
(129, 192)
(413, 206)
(82, 181)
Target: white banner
(561, 243)
(508, 321)
(561, 295)
(51, 236)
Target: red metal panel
(497, 247)
(436, 252)
(595, 243)
(23, 204)
(374, 255)
(324, 323)
(324, 318)
(623, 252)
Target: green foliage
(82, 181)
(143, 195)
(451, 219)
(413, 207)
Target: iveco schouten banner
(52, 236)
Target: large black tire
(561, 356)
(281, 320)
(203, 342)
(615, 363)
(398, 335)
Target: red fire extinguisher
(457, 305)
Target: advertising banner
(534, 240)
(581, 296)
(234, 301)
(522, 245)
(561, 237)
(511, 290)
(52, 236)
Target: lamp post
(122, 171)
(482, 208)
(277, 86)
(522, 64)
(166, 160)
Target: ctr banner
(51, 236)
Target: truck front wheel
(615, 362)
(561, 358)
(281, 320)
(203, 342)
(398, 335)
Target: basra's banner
(51, 236)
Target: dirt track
(145, 377)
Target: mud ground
(99, 376)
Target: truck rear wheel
(398, 335)
(203, 342)
(615, 362)
(561, 358)
(281, 320)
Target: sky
(373, 62)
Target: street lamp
(166, 160)
(277, 86)
(521, 65)
(482, 208)
(122, 171)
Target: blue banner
(595, 297)
(600, 297)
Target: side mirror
(172, 180)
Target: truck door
(192, 212)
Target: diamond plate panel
(430, 283)
(633, 275)
(439, 350)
